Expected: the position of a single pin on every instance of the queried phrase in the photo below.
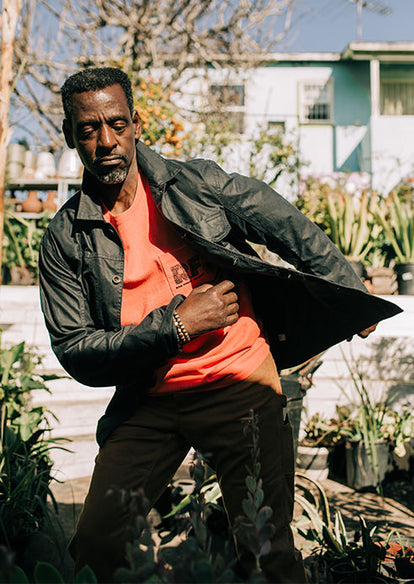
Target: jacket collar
(157, 170)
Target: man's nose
(106, 137)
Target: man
(148, 283)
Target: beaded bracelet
(182, 333)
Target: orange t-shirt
(159, 265)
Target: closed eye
(119, 126)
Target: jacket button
(116, 279)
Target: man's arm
(99, 357)
(265, 217)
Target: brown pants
(146, 451)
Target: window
(276, 126)
(227, 104)
(397, 98)
(316, 101)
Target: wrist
(183, 336)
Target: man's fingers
(232, 318)
(363, 334)
(224, 286)
(234, 307)
(202, 288)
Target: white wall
(392, 150)
(386, 359)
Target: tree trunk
(9, 17)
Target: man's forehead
(93, 97)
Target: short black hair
(94, 79)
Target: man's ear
(67, 131)
(136, 120)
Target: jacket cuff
(167, 329)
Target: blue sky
(329, 25)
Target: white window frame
(306, 100)
(395, 81)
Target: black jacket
(304, 311)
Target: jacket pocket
(207, 222)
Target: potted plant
(380, 267)
(399, 558)
(374, 434)
(397, 220)
(352, 224)
(367, 445)
(320, 436)
(340, 556)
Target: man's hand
(363, 334)
(208, 308)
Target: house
(349, 112)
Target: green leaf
(265, 548)
(266, 533)
(181, 507)
(45, 573)
(258, 498)
(263, 515)
(249, 509)
(85, 576)
(17, 576)
(251, 483)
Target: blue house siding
(352, 111)
(352, 103)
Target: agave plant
(397, 220)
(358, 553)
(352, 223)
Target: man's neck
(118, 197)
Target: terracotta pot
(49, 204)
(384, 280)
(32, 204)
(21, 276)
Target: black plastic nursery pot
(343, 572)
(404, 567)
(360, 473)
(364, 579)
(405, 278)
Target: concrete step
(74, 459)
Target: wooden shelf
(44, 184)
(61, 185)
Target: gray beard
(113, 177)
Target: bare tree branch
(57, 37)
